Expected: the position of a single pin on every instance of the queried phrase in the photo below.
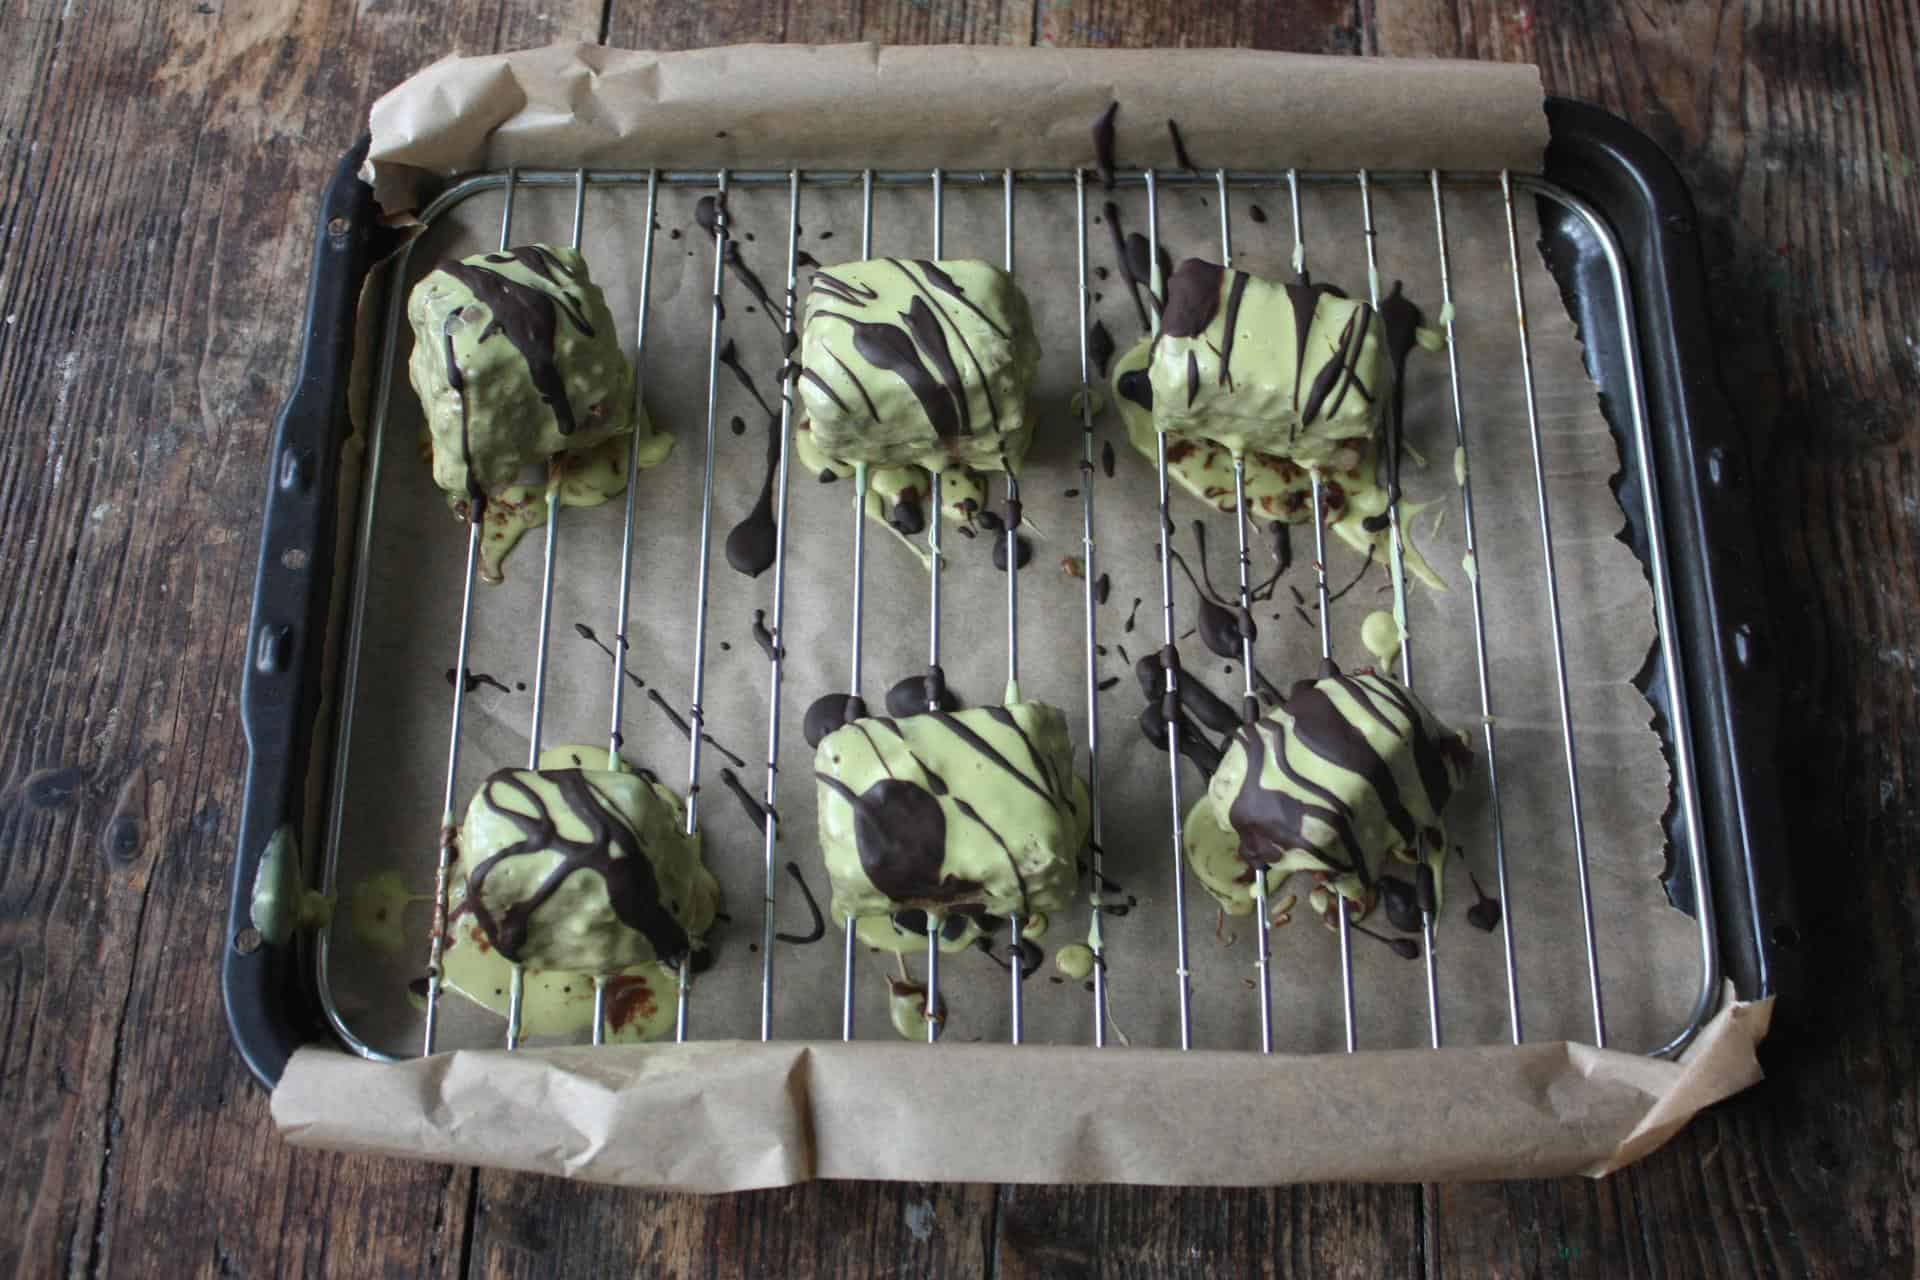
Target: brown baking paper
(734, 1115)
(829, 106)
(728, 1114)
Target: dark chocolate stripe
(528, 318)
(923, 322)
(825, 387)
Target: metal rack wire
(1224, 184)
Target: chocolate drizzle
(909, 697)
(1271, 821)
(612, 849)
(476, 496)
(1305, 296)
(1235, 292)
(529, 318)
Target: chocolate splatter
(1180, 148)
(653, 695)
(1402, 904)
(1024, 554)
(764, 637)
(1257, 213)
(586, 632)
(1102, 587)
(755, 811)
(753, 543)
(1117, 236)
(818, 930)
(475, 680)
(1103, 144)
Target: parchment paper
(745, 1115)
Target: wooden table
(158, 167)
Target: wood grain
(160, 169)
(157, 166)
(1798, 127)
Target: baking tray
(1719, 627)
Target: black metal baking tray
(1698, 458)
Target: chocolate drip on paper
(752, 544)
(1400, 325)
(1100, 347)
(1118, 236)
(1103, 144)
(818, 930)
(1180, 155)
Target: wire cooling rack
(646, 186)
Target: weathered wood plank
(541, 1227)
(1797, 126)
(160, 169)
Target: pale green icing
(282, 902)
(1032, 810)
(1255, 401)
(1074, 961)
(1213, 846)
(378, 909)
(887, 486)
(586, 479)
(1276, 488)
(882, 933)
(506, 422)
(558, 1004)
(907, 1009)
(1380, 633)
(860, 411)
